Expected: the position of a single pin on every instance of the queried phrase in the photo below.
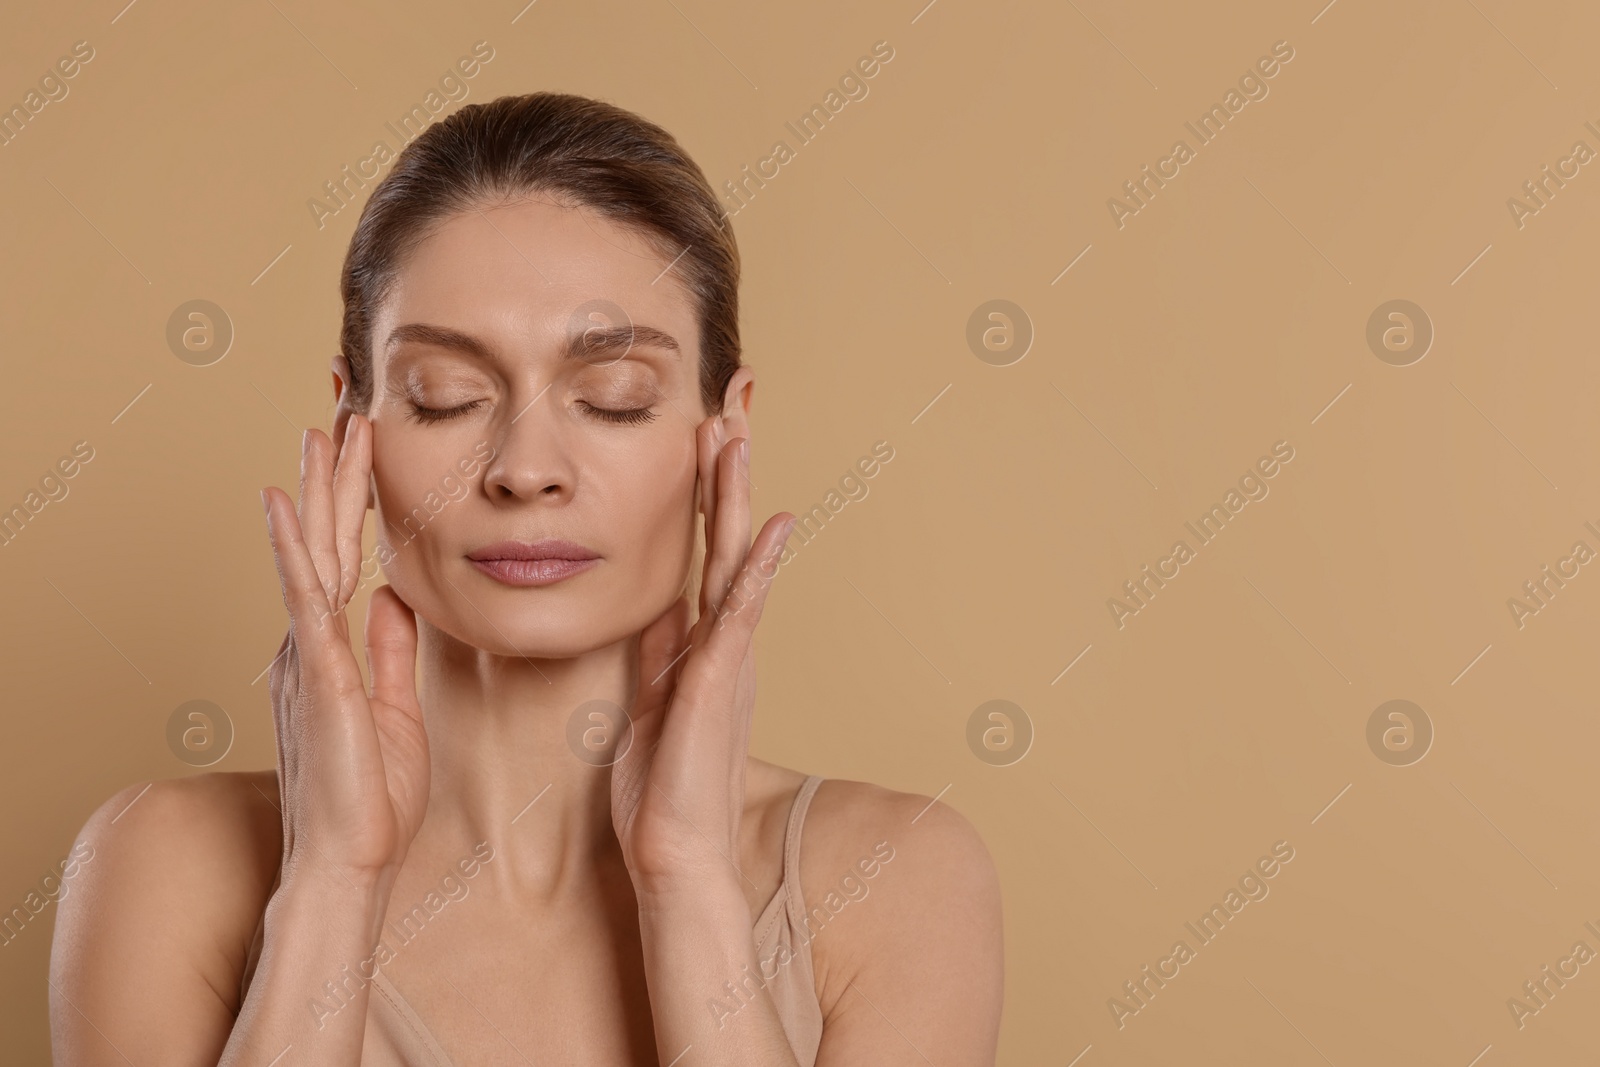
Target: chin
(551, 635)
(554, 622)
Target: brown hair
(586, 151)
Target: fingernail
(744, 451)
(718, 432)
(305, 441)
(266, 503)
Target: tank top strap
(401, 1026)
(796, 903)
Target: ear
(736, 400)
(342, 411)
(341, 404)
(735, 416)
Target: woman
(482, 858)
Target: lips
(536, 563)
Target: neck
(498, 739)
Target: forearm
(312, 983)
(695, 940)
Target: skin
(617, 903)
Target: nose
(533, 458)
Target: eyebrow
(583, 345)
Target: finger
(730, 540)
(712, 436)
(709, 440)
(747, 595)
(303, 593)
(278, 672)
(391, 639)
(310, 649)
(350, 503)
(316, 510)
(285, 695)
(707, 459)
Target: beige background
(1226, 316)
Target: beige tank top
(398, 1037)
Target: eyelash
(628, 416)
(632, 416)
(418, 413)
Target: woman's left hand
(677, 792)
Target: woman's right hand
(352, 767)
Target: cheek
(407, 479)
(654, 497)
(648, 526)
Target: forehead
(525, 275)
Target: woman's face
(494, 421)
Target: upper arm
(911, 968)
(152, 928)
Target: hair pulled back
(581, 150)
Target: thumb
(661, 647)
(391, 639)
(661, 659)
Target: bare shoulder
(210, 842)
(844, 811)
(903, 903)
(172, 878)
(938, 854)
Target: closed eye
(622, 415)
(418, 413)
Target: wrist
(340, 902)
(691, 894)
(310, 869)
